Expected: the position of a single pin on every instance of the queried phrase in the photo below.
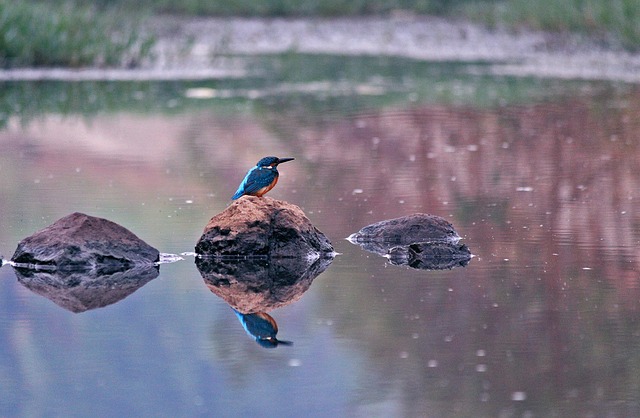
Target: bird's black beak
(284, 160)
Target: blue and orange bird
(261, 178)
(261, 327)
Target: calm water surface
(540, 178)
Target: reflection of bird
(262, 327)
(261, 178)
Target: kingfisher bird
(261, 178)
(262, 327)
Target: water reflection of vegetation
(528, 317)
(306, 84)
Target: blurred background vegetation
(67, 33)
(107, 32)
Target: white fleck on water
(518, 396)
(201, 93)
(294, 362)
(169, 258)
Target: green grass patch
(75, 33)
(617, 21)
(67, 34)
(612, 21)
(271, 8)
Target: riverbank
(204, 48)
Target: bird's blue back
(257, 178)
(258, 325)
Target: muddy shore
(200, 48)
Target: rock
(262, 226)
(430, 255)
(260, 284)
(420, 241)
(406, 230)
(79, 291)
(83, 242)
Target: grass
(77, 33)
(613, 21)
(66, 34)
(271, 8)
(617, 21)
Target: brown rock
(80, 241)
(262, 226)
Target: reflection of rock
(260, 285)
(430, 255)
(262, 226)
(79, 291)
(420, 241)
(261, 327)
(82, 241)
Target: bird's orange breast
(265, 189)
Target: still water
(539, 177)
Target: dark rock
(430, 255)
(254, 285)
(83, 242)
(406, 230)
(262, 226)
(419, 241)
(79, 291)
